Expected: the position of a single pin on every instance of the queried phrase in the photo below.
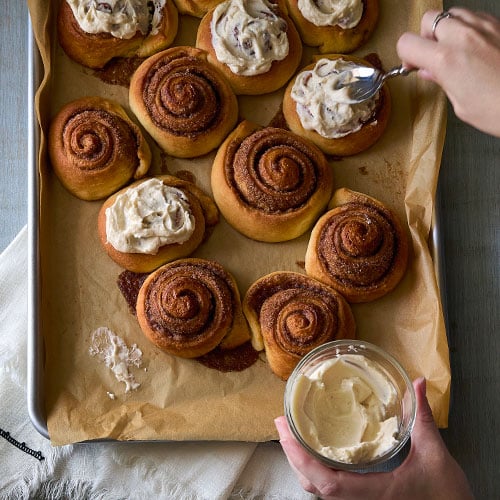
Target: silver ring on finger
(442, 15)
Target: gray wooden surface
(470, 209)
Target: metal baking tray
(35, 341)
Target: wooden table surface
(469, 201)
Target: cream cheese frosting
(346, 409)
(147, 216)
(324, 108)
(120, 18)
(343, 13)
(248, 36)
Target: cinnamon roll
(334, 26)
(253, 42)
(190, 306)
(314, 108)
(92, 32)
(358, 247)
(195, 8)
(95, 148)
(154, 221)
(270, 184)
(290, 314)
(184, 102)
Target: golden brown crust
(270, 184)
(96, 50)
(205, 214)
(196, 8)
(190, 306)
(95, 148)
(184, 102)
(358, 247)
(277, 76)
(335, 39)
(290, 314)
(353, 143)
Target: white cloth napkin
(113, 470)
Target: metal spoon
(363, 82)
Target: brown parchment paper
(181, 399)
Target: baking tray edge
(35, 343)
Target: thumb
(425, 432)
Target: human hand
(429, 471)
(463, 57)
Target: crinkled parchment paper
(181, 399)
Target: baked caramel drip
(273, 170)
(183, 95)
(94, 139)
(230, 360)
(190, 303)
(358, 245)
(299, 319)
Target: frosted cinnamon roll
(314, 108)
(334, 26)
(95, 148)
(154, 221)
(253, 42)
(185, 103)
(270, 184)
(290, 314)
(92, 32)
(358, 247)
(190, 306)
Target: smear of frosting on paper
(116, 355)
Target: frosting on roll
(324, 108)
(344, 13)
(248, 36)
(147, 216)
(119, 18)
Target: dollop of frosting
(343, 13)
(248, 36)
(323, 107)
(346, 409)
(147, 216)
(119, 18)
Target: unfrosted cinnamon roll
(154, 221)
(92, 32)
(270, 184)
(334, 26)
(253, 42)
(185, 103)
(190, 306)
(95, 148)
(314, 108)
(358, 247)
(290, 314)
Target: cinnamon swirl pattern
(358, 247)
(290, 314)
(184, 102)
(95, 148)
(253, 42)
(190, 306)
(269, 183)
